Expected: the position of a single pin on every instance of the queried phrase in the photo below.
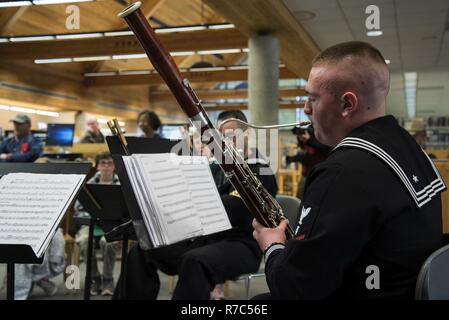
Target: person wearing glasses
(104, 283)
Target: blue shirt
(155, 136)
(26, 149)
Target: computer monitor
(174, 131)
(60, 134)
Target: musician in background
(149, 123)
(206, 261)
(371, 212)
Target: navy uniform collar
(386, 140)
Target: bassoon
(259, 201)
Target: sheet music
(32, 206)
(163, 180)
(151, 222)
(204, 193)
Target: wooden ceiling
(48, 84)
(102, 16)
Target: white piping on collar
(421, 197)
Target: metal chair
(290, 205)
(433, 279)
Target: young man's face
(323, 107)
(106, 167)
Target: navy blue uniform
(373, 205)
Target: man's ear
(349, 103)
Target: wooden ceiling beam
(106, 46)
(8, 17)
(20, 84)
(193, 76)
(167, 96)
(252, 17)
(148, 8)
(17, 97)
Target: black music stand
(19, 253)
(138, 145)
(107, 208)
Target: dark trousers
(199, 265)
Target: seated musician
(149, 122)
(206, 261)
(371, 212)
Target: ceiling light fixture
(133, 72)
(31, 38)
(28, 110)
(108, 33)
(130, 72)
(128, 56)
(45, 2)
(410, 84)
(79, 35)
(208, 69)
(21, 109)
(221, 26)
(118, 33)
(182, 53)
(238, 68)
(374, 33)
(47, 113)
(9, 4)
(134, 56)
(220, 51)
(180, 29)
(58, 60)
(99, 58)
